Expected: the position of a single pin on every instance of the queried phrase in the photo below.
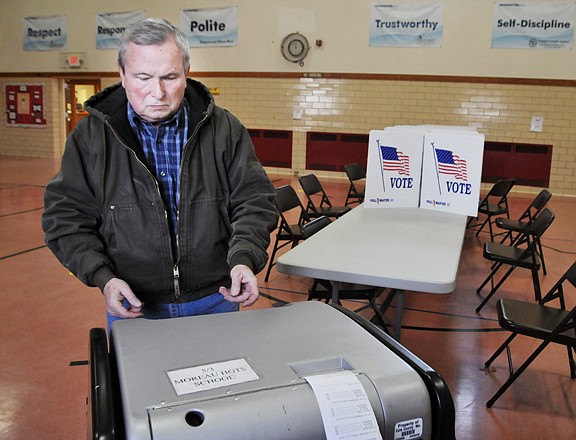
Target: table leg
(381, 311)
(399, 310)
(335, 292)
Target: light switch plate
(297, 112)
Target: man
(160, 201)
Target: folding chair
(539, 321)
(313, 190)
(291, 233)
(495, 203)
(524, 254)
(515, 228)
(355, 173)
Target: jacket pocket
(138, 243)
(204, 241)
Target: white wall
(341, 24)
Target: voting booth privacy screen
(394, 168)
(307, 370)
(431, 167)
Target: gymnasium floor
(46, 315)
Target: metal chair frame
(517, 256)
(291, 233)
(515, 228)
(495, 203)
(313, 189)
(540, 321)
(355, 173)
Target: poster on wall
(210, 27)
(406, 25)
(44, 33)
(25, 105)
(110, 26)
(533, 26)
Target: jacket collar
(111, 105)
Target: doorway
(76, 92)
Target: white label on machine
(207, 377)
(408, 430)
(344, 405)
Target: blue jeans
(210, 304)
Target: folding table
(398, 248)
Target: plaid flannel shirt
(163, 146)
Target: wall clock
(295, 47)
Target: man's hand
(244, 288)
(116, 291)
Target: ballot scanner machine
(303, 371)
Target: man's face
(154, 79)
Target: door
(76, 92)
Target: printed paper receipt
(344, 405)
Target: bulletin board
(25, 105)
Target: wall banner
(44, 33)
(110, 26)
(210, 27)
(407, 25)
(533, 26)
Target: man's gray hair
(153, 31)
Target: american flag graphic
(449, 163)
(395, 160)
